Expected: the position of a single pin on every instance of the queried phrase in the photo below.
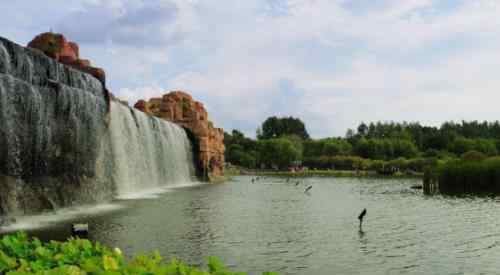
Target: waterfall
(52, 127)
(60, 147)
(148, 152)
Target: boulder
(56, 46)
(141, 106)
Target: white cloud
(132, 95)
(344, 61)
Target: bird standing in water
(360, 217)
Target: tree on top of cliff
(274, 127)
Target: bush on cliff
(20, 255)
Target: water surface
(273, 225)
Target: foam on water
(154, 193)
(48, 219)
(51, 218)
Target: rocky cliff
(180, 108)
(52, 130)
(177, 107)
(63, 142)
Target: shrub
(462, 145)
(473, 155)
(420, 164)
(20, 255)
(337, 162)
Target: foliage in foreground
(20, 255)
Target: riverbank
(235, 171)
(338, 173)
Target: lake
(272, 225)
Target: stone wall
(179, 107)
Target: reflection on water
(274, 225)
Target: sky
(332, 63)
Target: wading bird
(360, 217)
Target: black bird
(297, 183)
(361, 216)
(308, 188)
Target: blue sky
(333, 63)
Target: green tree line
(284, 142)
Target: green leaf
(109, 263)
(215, 265)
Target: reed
(468, 176)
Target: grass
(20, 255)
(333, 173)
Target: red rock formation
(180, 108)
(142, 106)
(58, 47)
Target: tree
(279, 152)
(240, 150)
(334, 147)
(461, 145)
(362, 129)
(274, 127)
(385, 148)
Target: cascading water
(148, 153)
(59, 145)
(52, 122)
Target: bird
(308, 188)
(297, 183)
(361, 216)
(80, 230)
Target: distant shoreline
(322, 173)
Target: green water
(273, 225)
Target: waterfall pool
(273, 225)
